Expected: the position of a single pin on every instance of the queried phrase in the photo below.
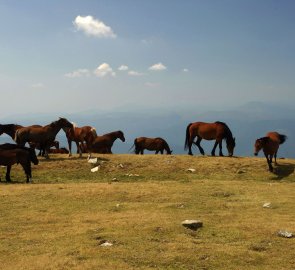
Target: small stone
(191, 170)
(240, 171)
(106, 244)
(92, 160)
(283, 233)
(267, 205)
(192, 224)
(121, 165)
(95, 169)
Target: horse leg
(70, 147)
(220, 149)
(156, 152)
(198, 144)
(275, 155)
(7, 177)
(214, 147)
(28, 170)
(269, 163)
(79, 150)
(141, 151)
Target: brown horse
(209, 131)
(151, 144)
(270, 146)
(42, 135)
(103, 144)
(11, 154)
(62, 150)
(79, 135)
(35, 145)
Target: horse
(103, 144)
(9, 129)
(35, 145)
(43, 135)
(151, 144)
(11, 154)
(80, 135)
(209, 131)
(270, 146)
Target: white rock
(92, 160)
(95, 169)
(106, 244)
(266, 205)
(191, 170)
(192, 224)
(121, 165)
(285, 234)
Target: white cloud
(123, 68)
(157, 67)
(38, 85)
(78, 73)
(104, 70)
(185, 70)
(134, 73)
(93, 27)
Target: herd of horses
(87, 141)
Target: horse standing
(103, 144)
(11, 154)
(37, 146)
(42, 135)
(79, 135)
(209, 131)
(151, 144)
(270, 146)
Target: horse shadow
(282, 171)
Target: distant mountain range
(247, 123)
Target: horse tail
(133, 146)
(187, 136)
(283, 138)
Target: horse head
(64, 123)
(33, 156)
(230, 145)
(259, 144)
(121, 136)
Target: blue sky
(71, 56)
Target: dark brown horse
(103, 144)
(11, 154)
(35, 145)
(209, 131)
(42, 135)
(62, 150)
(151, 144)
(270, 146)
(80, 135)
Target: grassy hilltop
(138, 203)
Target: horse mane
(264, 139)
(74, 125)
(228, 134)
(283, 138)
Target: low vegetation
(137, 204)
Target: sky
(74, 56)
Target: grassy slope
(59, 221)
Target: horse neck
(113, 136)
(166, 147)
(55, 127)
(10, 130)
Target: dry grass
(60, 220)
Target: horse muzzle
(255, 154)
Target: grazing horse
(42, 135)
(270, 146)
(103, 144)
(11, 154)
(151, 144)
(79, 135)
(209, 131)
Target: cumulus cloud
(78, 73)
(93, 27)
(134, 73)
(123, 68)
(104, 70)
(157, 67)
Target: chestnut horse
(209, 131)
(270, 146)
(10, 129)
(103, 144)
(11, 154)
(42, 135)
(80, 135)
(151, 144)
